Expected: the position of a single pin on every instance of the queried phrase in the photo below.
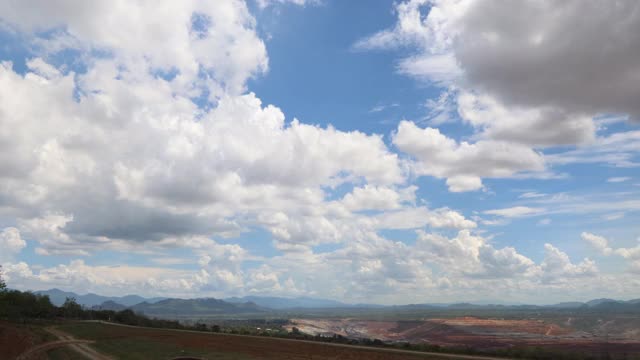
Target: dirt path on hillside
(48, 346)
(80, 346)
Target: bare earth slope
(474, 332)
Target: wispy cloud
(544, 222)
(613, 216)
(516, 211)
(382, 107)
(618, 179)
(531, 195)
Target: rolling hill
(203, 306)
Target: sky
(386, 152)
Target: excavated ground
(470, 331)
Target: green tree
(71, 308)
(18, 305)
(128, 317)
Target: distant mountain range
(595, 304)
(288, 303)
(600, 304)
(58, 297)
(260, 304)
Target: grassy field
(64, 354)
(143, 343)
(130, 343)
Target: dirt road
(80, 346)
(49, 346)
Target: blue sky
(395, 152)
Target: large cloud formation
(602, 245)
(527, 53)
(114, 140)
(129, 128)
(522, 74)
(579, 56)
(121, 152)
(463, 164)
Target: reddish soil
(16, 339)
(470, 331)
(36, 352)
